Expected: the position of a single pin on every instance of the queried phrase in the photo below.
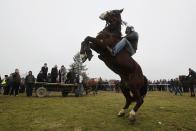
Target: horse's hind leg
(129, 99)
(139, 102)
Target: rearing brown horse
(132, 78)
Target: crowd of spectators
(172, 85)
(51, 77)
(13, 83)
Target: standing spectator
(0, 79)
(49, 78)
(40, 77)
(192, 76)
(62, 74)
(16, 83)
(45, 71)
(54, 74)
(171, 85)
(22, 85)
(177, 86)
(6, 85)
(71, 76)
(10, 83)
(29, 82)
(0, 84)
(79, 90)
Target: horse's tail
(144, 89)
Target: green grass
(160, 111)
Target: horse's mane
(113, 28)
(110, 34)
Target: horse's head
(113, 21)
(112, 16)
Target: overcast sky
(33, 32)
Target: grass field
(160, 111)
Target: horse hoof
(132, 119)
(90, 57)
(83, 57)
(122, 112)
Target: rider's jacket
(133, 38)
(192, 73)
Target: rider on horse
(130, 41)
(192, 73)
(192, 77)
(130, 72)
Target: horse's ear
(121, 10)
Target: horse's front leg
(83, 50)
(88, 44)
(93, 40)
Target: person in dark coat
(29, 82)
(192, 74)
(10, 83)
(44, 70)
(16, 83)
(49, 78)
(71, 77)
(0, 79)
(54, 74)
(40, 77)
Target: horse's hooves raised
(90, 57)
(83, 57)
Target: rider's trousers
(121, 44)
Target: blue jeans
(121, 44)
